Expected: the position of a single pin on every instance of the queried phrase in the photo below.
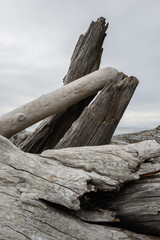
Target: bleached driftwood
(31, 187)
(86, 58)
(56, 101)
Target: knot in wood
(21, 117)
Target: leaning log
(85, 59)
(36, 195)
(98, 122)
(53, 102)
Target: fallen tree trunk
(36, 195)
(85, 59)
(98, 122)
(53, 102)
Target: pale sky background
(37, 39)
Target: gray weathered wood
(32, 185)
(85, 59)
(20, 137)
(137, 206)
(98, 122)
(56, 101)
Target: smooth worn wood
(56, 101)
(85, 59)
(98, 122)
(35, 190)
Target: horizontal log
(38, 221)
(86, 169)
(53, 102)
(31, 186)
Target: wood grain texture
(137, 206)
(98, 122)
(32, 185)
(86, 58)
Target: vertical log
(85, 59)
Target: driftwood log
(91, 192)
(56, 101)
(98, 122)
(39, 201)
(86, 58)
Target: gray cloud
(37, 39)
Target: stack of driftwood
(65, 180)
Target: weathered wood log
(53, 102)
(31, 186)
(85, 59)
(98, 122)
(137, 206)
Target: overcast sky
(37, 38)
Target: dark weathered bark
(138, 137)
(98, 122)
(86, 59)
(136, 207)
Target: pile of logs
(65, 180)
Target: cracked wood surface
(86, 58)
(137, 205)
(97, 123)
(29, 182)
(23, 221)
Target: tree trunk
(98, 122)
(56, 101)
(85, 59)
(39, 201)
